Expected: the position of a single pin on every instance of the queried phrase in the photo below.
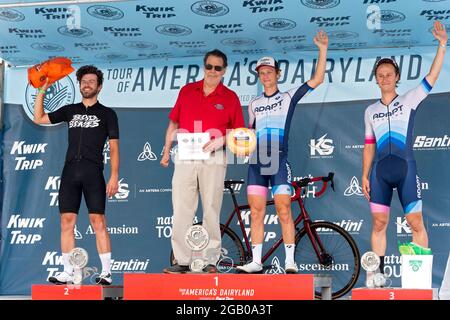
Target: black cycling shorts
(85, 177)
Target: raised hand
(439, 32)
(321, 39)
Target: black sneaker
(104, 279)
(210, 268)
(61, 278)
(176, 268)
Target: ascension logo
(276, 267)
(386, 16)
(173, 30)
(11, 15)
(210, 8)
(147, 153)
(77, 233)
(47, 47)
(105, 12)
(354, 188)
(58, 94)
(277, 24)
(238, 42)
(320, 4)
(75, 32)
(140, 45)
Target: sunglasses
(210, 66)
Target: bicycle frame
(302, 216)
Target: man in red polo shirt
(205, 106)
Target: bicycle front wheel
(339, 258)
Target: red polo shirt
(220, 110)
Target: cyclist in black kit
(90, 124)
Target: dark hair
(216, 53)
(388, 61)
(90, 69)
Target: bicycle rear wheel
(339, 259)
(232, 252)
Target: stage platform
(394, 294)
(218, 287)
(76, 292)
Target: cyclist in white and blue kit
(270, 115)
(388, 153)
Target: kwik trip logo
(25, 230)
(156, 12)
(58, 94)
(54, 13)
(52, 186)
(26, 155)
(256, 6)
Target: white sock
(106, 262)
(67, 266)
(290, 249)
(256, 252)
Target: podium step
(218, 287)
(75, 292)
(392, 294)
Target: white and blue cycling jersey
(391, 128)
(271, 116)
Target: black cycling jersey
(89, 127)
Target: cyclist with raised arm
(270, 115)
(388, 149)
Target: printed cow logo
(277, 24)
(210, 8)
(105, 12)
(173, 30)
(11, 15)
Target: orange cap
(53, 70)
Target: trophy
(78, 258)
(197, 238)
(370, 262)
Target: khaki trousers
(190, 178)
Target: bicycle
(322, 247)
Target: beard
(89, 95)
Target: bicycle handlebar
(298, 185)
